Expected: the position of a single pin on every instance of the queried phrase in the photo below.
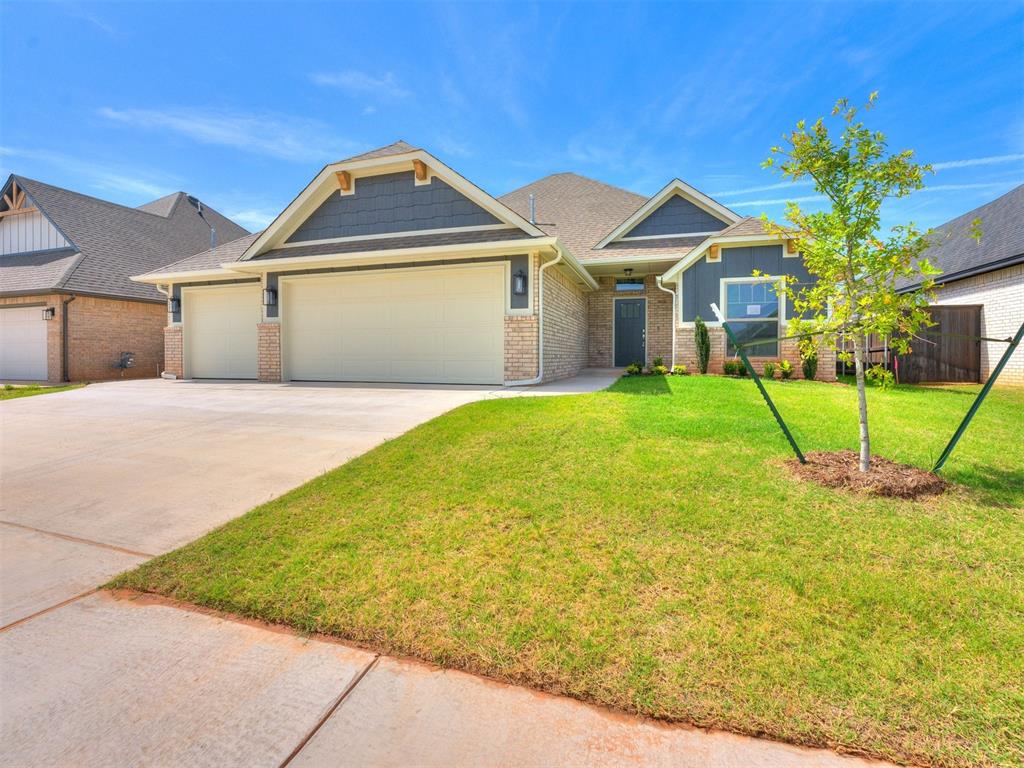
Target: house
(68, 310)
(986, 272)
(390, 266)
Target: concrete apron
(109, 680)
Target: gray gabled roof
(959, 255)
(109, 242)
(397, 148)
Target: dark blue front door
(630, 331)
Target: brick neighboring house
(391, 266)
(988, 272)
(68, 309)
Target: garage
(221, 331)
(435, 325)
(23, 344)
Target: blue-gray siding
(388, 204)
(701, 282)
(677, 216)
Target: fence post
(978, 400)
(760, 386)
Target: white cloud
(285, 137)
(778, 201)
(960, 187)
(352, 80)
(370, 110)
(253, 219)
(453, 147)
(992, 160)
(99, 175)
(765, 188)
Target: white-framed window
(627, 284)
(754, 310)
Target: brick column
(269, 350)
(520, 347)
(173, 362)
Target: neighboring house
(390, 266)
(987, 271)
(68, 310)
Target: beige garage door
(220, 331)
(23, 343)
(439, 325)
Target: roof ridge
(974, 211)
(578, 176)
(100, 199)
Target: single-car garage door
(221, 331)
(431, 325)
(23, 343)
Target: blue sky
(241, 104)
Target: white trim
(324, 184)
(154, 278)
(398, 235)
(634, 259)
(615, 320)
(674, 187)
(780, 321)
(727, 241)
(625, 239)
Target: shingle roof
(35, 271)
(211, 258)
(958, 255)
(113, 242)
(398, 148)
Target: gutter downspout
(64, 339)
(657, 281)
(540, 328)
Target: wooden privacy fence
(950, 350)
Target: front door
(630, 332)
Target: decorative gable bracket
(16, 201)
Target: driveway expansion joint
(46, 610)
(331, 710)
(79, 540)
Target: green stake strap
(760, 386)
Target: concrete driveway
(96, 480)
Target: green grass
(14, 391)
(645, 548)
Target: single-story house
(68, 308)
(390, 266)
(986, 271)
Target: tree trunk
(860, 349)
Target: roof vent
(533, 209)
(196, 203)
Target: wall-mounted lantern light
(174, 305)
(49, 313)
(269, 297)
(519, 283)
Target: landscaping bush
(634, 369)
(809, 362)
(700, 331)
(785, 369)
(659, 370)
(769, 370)
(681, 370)
(732, 367)
(741, 369)
(658, 361)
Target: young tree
(703, 342)
(858, 268)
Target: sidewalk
(114, 680)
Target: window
(752, 311)
(629, 284)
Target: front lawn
(645, 548)
(14, 391)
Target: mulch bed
(884, 478)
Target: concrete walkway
(99, 479)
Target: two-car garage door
(433, 325)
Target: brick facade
(601, 321)
(520, 347)
(173, 361)
(1001, 293)
(268, 348)
(686, 354)
(99, 330)
(565, 326)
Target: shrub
(681, 370)
(785, 369)
(658, 361)
(769, 370)
(741, 369)
(700, 331)
(634, 369)
(659, 370)
(732, 367)
(809, 362)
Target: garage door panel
(23, 343)
(221, 332)
(430, 326)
